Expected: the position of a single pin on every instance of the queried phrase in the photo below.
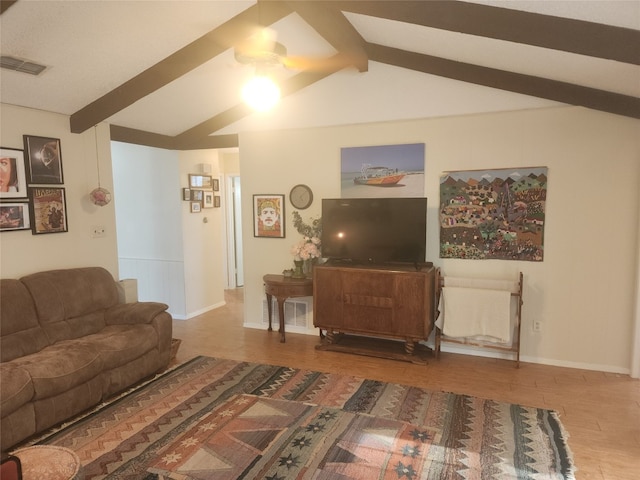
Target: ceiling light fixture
(261, 93)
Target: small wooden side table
(282, 288)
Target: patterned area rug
(220, 419)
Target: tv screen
(374, 230)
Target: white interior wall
(203, 237)
(22, 253)
(148, 208)
(584, 291)
(175, 255)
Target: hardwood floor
(600, 411)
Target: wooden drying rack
(515, 342)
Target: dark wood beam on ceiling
(557, 33)
(334, 27)
(5, 4)
(148, 139)
(181, 62)
(513, 82)
(140, 137)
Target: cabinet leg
(409, 347)
(329, 337)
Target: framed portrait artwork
(14, 216)
(268, 214)
(44, 158)
(196, 207)
(13, 181)
(186, 194)
(216, 185)
(207, 201)
(48, 210)
(216, 201)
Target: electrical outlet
(97, 231)
(537, 326)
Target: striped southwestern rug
(221, 419)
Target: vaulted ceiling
(163, 74)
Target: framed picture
(197, 195)
(207, 201)
(186, 194)
(13, 180)
(268, 212)
(216, 185)
(44, 158)
(48, 210)
(200, 181)
(216, 201)
(14, 216)
(195, 207)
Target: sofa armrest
(134, 313)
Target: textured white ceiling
(92, 47)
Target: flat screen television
(374, 230)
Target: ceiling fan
(263, 51)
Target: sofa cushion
(16, 390)
(120, 344)
(61, 367)
(71, 303)
(20, 332)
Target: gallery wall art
(493, 214)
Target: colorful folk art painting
(493, 214)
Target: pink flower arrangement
(307, 248)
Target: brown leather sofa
(67, 344)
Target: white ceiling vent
(19, 65)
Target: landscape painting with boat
(383, 171)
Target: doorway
(235, 277)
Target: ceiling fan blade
(334, 63)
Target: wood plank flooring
(600, 411)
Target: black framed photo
(216, 185)
(13, 180)
(44, 157)
(48, 210)
(268, 214)
(14, 216)
(186, 194)
(216, 201)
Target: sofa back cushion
(71, 303)
(20, 332)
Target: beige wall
(21, 252)
(584, 291)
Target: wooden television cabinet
(383, 311)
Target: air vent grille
(19, 65)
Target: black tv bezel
(418, 262)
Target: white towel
(470, 312)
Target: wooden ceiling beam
(557, 33)
(176, 65)
(5, 4)
(513, 82)
(334, 27)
